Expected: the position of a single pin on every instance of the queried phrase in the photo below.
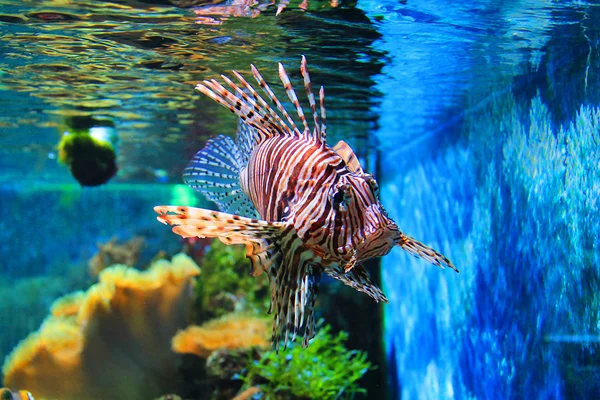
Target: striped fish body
(296, 180)
(300, 207)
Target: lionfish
(301, 207)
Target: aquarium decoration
(112, 339)
(89, 146)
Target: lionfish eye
(338, 197)
(6, 395)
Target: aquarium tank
(475, 123)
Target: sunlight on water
(137, 65)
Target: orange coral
(111, 341)
(233, 331)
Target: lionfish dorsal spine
(311, 100)
(289, 89)
(264, 110)
(265, 87)
(266, 115)
(323, 114)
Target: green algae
(324, 370)
(225, 284)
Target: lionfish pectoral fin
(345, 151)
(215, 172)
(419, 250)
(358, 278)
(260, 237)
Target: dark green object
(92, 161)
(324, 370)
(226, 286)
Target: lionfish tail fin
(260, 237)
(420, 250)
(243, 100)
(214, 171)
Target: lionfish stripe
(293, 98)
(311, 97)
(274, 99)
(419, 250)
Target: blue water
(499, 170)
(481, 119)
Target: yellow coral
(111, 341)
(233, 331)
(67, 305)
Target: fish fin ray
(345, 151)
(323, 113)
(291, 93)
(247, 138)
(294, 292)
(267, 116)
(419, 250)
(214, 172)
(317, 134)
(265, 87)
(358, 278)
(260, 237)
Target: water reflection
(136, 63)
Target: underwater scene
(299, 199)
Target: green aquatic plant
(324, 370)
(226, 286)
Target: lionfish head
(362, 227)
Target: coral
(233, 331)
(226, 285)
(111, 341)
(25, 303)
(111, 253)
(324, 370)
